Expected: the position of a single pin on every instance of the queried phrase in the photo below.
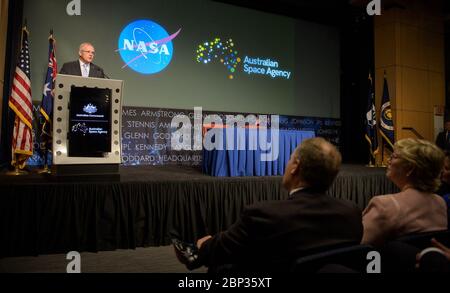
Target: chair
(422, 240)
(398, 257)
(401, 257)
(266, 263)
(353, 258)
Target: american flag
(46, 109)
(21, 103)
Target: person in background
(270, 235)
(444, 188)
(443, 138)
(414, 167)
(84, 66)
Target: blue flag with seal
(46, 108)
(386, 117)
(371, 122)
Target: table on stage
(243, 158)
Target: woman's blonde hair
(425, 158)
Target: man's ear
(295, 167)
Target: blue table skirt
(244, 158)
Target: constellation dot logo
(219, 50)
(145, 46)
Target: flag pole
(46, 169)
(16, 171)
(382, 153)
(370, 164)
(370, 161)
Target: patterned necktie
(85, 70)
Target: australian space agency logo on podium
(145, 46)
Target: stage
(39, 215)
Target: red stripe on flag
(23, 143)
(21, 110)
(18, 77)
(22, 79)
(22, 96)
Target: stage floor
(148, 173)
(39, 215)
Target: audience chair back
(353, 258)
(422, 240)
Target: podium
(87, 128)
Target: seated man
(275, 233)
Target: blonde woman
(414, 167)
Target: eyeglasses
(90, 52)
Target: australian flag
(46, 108)
(371, 121)
(386, 121)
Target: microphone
(104, 74)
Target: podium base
(88, 172)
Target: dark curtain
(15, 15)
(357, 59)
(49, 217)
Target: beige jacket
(410, 211)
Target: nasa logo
(145, 46)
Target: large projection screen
(221, 57)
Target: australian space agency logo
(90, 109)
(224, 51)
(145, 46)
(219, 50)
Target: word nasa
(258, 133)
(255, 66)
(145, 46)
(150, 47)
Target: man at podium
(84, 66)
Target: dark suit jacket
(73, 68)
(275, 233)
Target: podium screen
(90, 122)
